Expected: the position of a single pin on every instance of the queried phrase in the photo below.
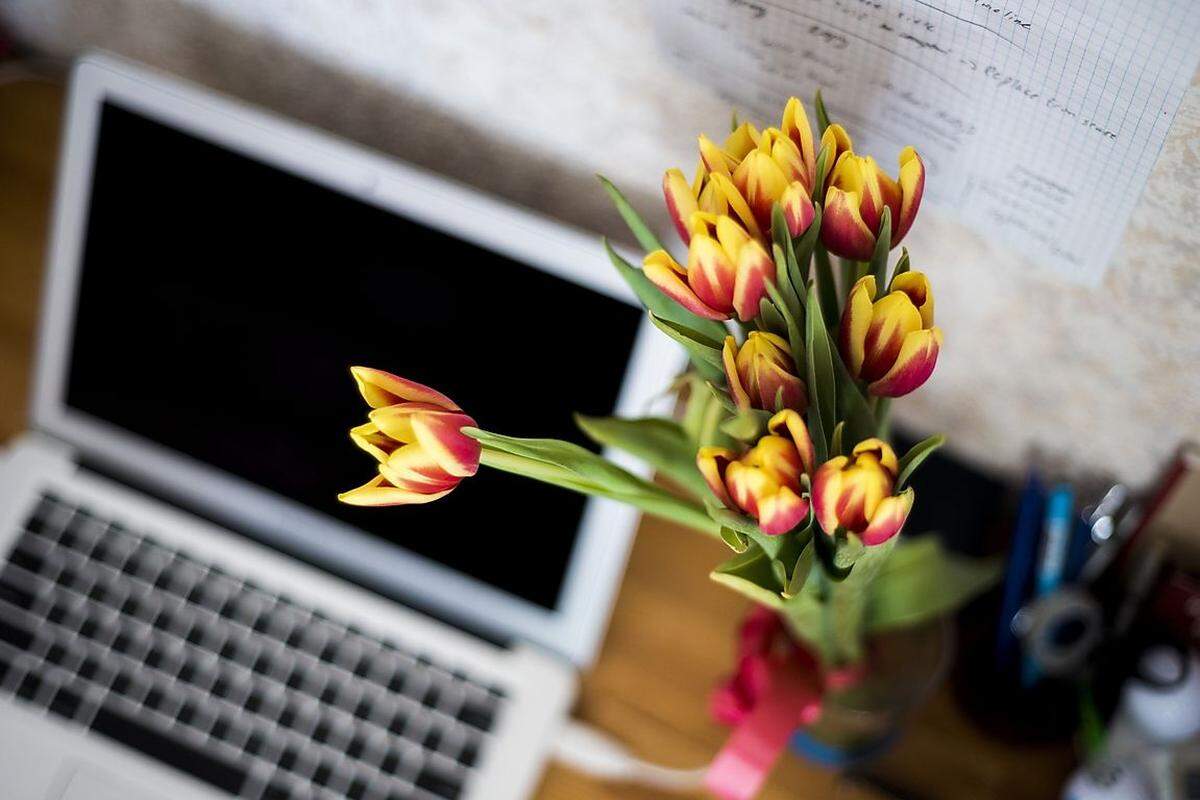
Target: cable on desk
(595, 753)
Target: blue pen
(1056, 538)
(1019, 575)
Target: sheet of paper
(1039, 120)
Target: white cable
(590, 751)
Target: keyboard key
(29, 686)
(65, 703)
(16, 596)
(477, 715)
(438, 782)
(15, 634)
(198, 762)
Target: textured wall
(529, 99)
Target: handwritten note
(1039, 120)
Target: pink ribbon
(777, 688)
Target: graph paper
(1039, 120)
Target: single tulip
(761, 373)
(855, 493)
(892, 342)
(858, 192)
(703, 194)
(727, 271)
(414, 432)
(798, 210)
(766, 172)
(768, 481)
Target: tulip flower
(414, 432)
(761, 373)
(727, 271)
(767, 481)
(892, 342)
(798, 210)
(703, 194)
(855, 494)
(766, 172)
(858, 192)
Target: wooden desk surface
(668, 642)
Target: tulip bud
(798, 210)
(855, 493)
(727, 271)
(858, 192)
(768, 481)
(761, 373)
(891, 343)
(415, 433)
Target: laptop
(186, 611)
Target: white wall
(529, 99)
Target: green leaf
(771, 545)
(655, 301)
(822, 172)
(785, 261)
(747, 425)
(826, 548)
(770, 317)
(922, 581)
(750, 574)
(737, 542)
(779, 571)
(695, 406)
(822, 114)
(792, 333)
(822, 390)
(852, 407)
(914, 457)
(802, 247)
(903, 264)
(661, 443)
(704, 354)
(645, 236)
(573, 467)
(826, 286)
(801, 571)
(883, 246)
(849, 550)
(721, 396)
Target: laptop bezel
(576, 626)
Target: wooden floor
(671, 631)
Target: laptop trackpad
(92, 783)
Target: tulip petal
(856, 320)
(893, 317)
(441, 436)
(913, 366)
(762, 182)
(797, 128)
(912, 188)
(754, 270)
(882, 452)
(665, 273)
(916, 286)
(681, 203)
(748, 486)
(889, 518)
(711, 273)
(368, 437)
(843, 231)
(737, 202)
(826, 486)
(741, 141)
(712, 463)
(714, 158)
(729, 358)
(413, 468)
(377, 492)
(381, 389)
(781, 512)
(798, 209)
(790, 420)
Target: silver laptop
(185, 609)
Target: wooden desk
(671, 632)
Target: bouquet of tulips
(781, 449)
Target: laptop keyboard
(244, 689)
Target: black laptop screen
(222, 302)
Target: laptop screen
(222, 302)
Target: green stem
(826, 286)
(881, 407)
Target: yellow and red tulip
(415, 433)
(768, 481)
(858, 192)
(761, 373)
(798, 210)
(855, 493)
(892, 342)
(727, 271)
